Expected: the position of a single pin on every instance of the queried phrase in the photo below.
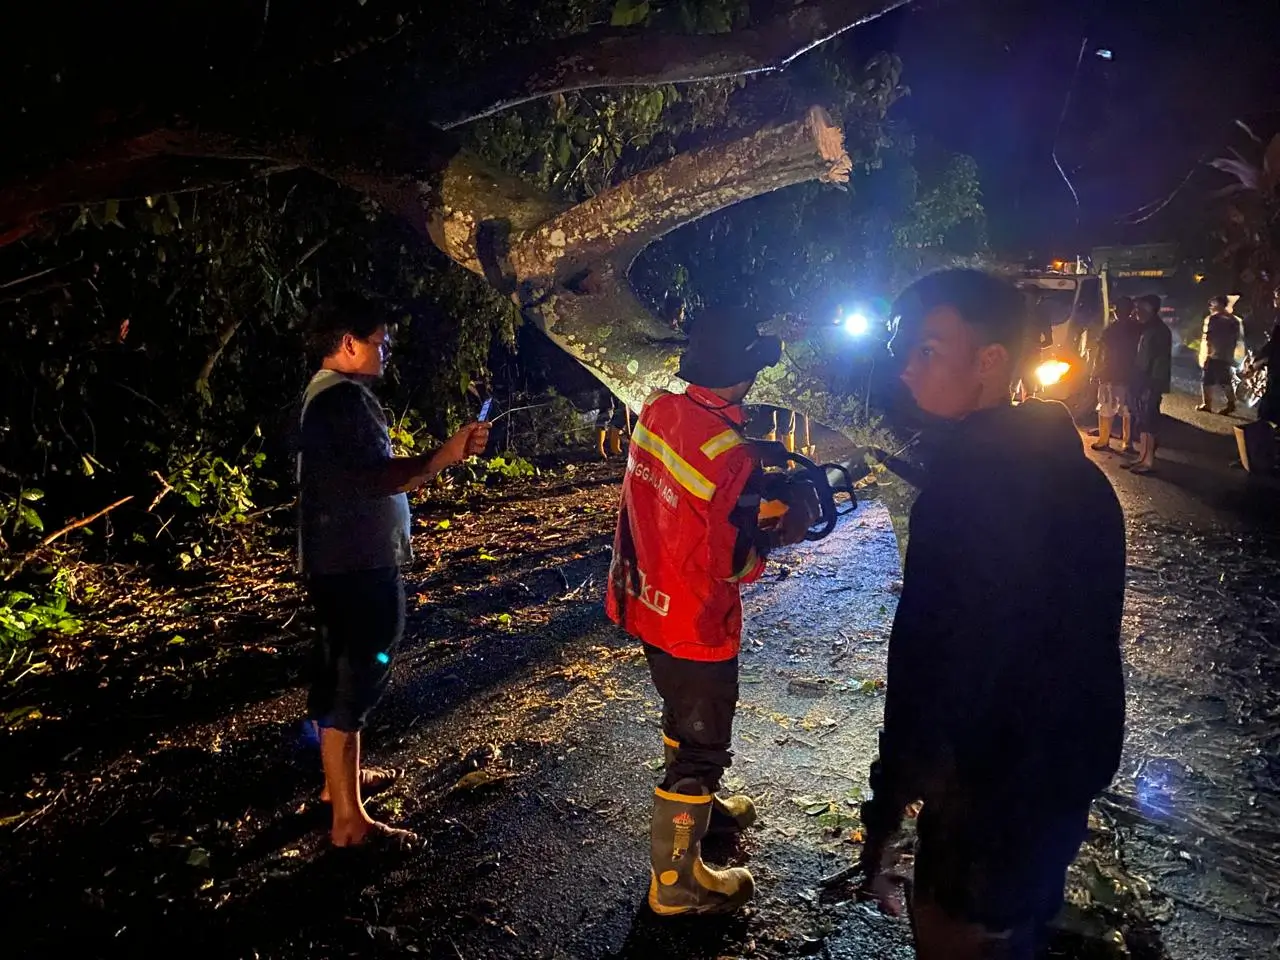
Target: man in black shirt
(353, 536)
(1152, 379)
(1005, 703)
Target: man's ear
(348, 345)
(993, 360)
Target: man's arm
(343, 436)
(404, 474)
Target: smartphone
(484, 410)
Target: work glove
(803, 511)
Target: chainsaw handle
(817, 475)
(827, 480)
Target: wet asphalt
(529, 761)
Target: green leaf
(31, 519)
(629, 13)
(32, 495)
(442, 525)
(487, 557)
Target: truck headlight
(1051, 371)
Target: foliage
(548, 424)
(493, 471)
(510, 468)
(408, 432)
(1248, 231)
(18, 515)
(25, 615)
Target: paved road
(1201, 646)
(204, 835)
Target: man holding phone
(353, 537)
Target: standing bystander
(1152, 379)
(353, 536)
(1003, 713)
(1113, 369)
(1218, 350)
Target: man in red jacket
(687, 539)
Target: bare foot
(371, 835)
(885, 891)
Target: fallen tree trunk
(565, 265)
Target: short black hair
(1220, 300)
(986, 302)
(1153, 301)
(339, 315)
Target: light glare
(855, 324)
(1051, 371)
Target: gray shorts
(1113, 398)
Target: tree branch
(159, 161)
(21, 561)
(611, 57)
(622, 221)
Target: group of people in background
(1133, 365)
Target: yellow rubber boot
(680, 883)
(1104, 432)
(600, 443)
(615, 441)
(1126, 433)
(728, 814)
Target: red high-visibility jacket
(672, 582)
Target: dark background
(989, 78)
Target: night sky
(989, 77)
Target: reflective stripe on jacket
(672, 582)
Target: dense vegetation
(154, 347)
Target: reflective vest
(672, 582)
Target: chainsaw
(791, 479)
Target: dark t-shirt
(341, 527)
(1222, 333)
(995, 694)
(1154, 372)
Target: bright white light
(1105, 54)
(855, 324)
